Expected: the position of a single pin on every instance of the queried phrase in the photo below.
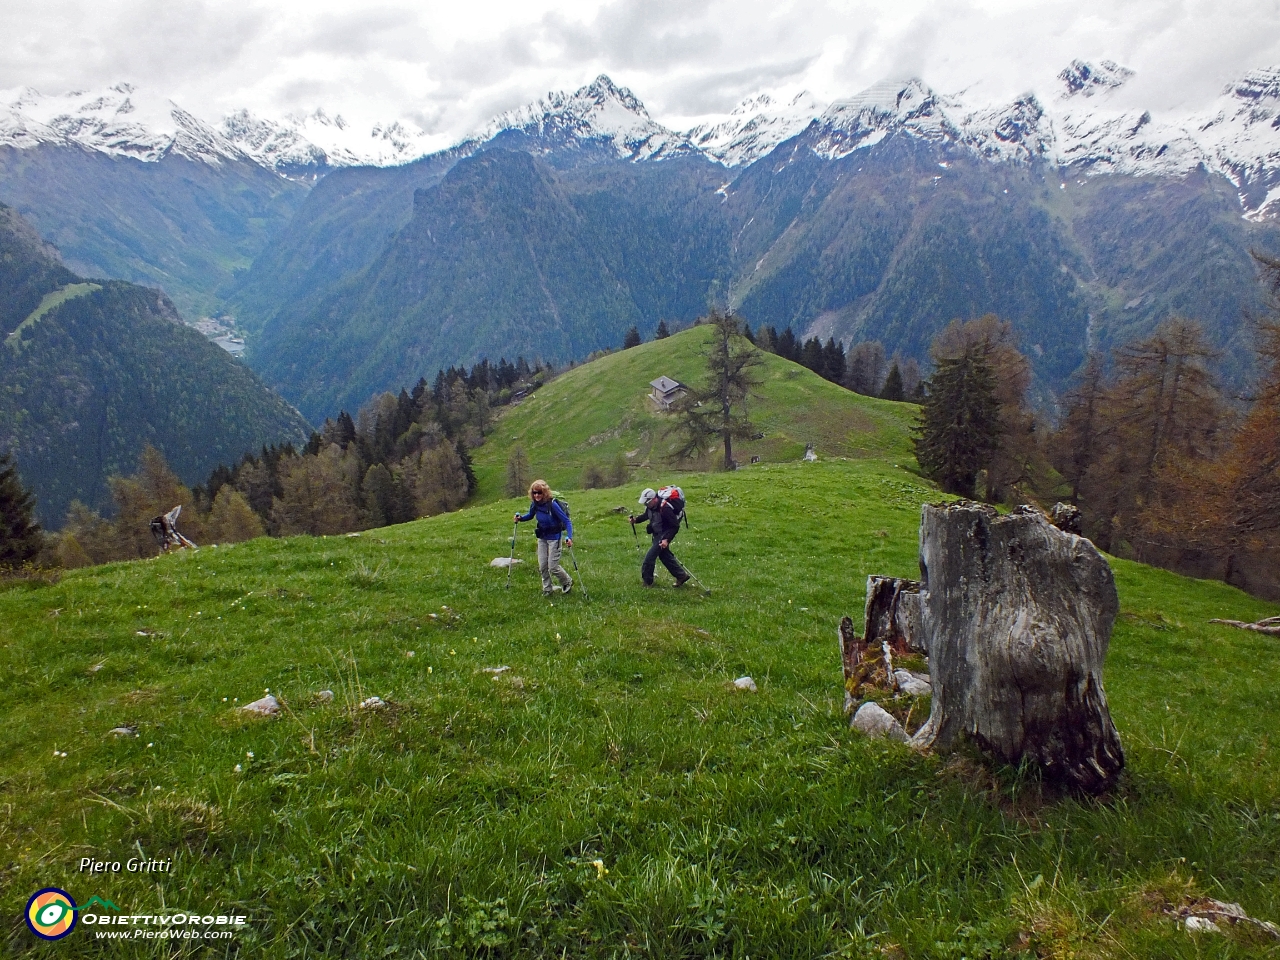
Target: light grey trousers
(549, 565)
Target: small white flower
(249, 754)
(150, 745)
(237, 768)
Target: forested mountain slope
(95, 371)
(511, 253)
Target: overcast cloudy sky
(450, 66)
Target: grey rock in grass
(324, 696)
(267, 706)
(495, 670)
(1017, 616)
(373, 703)
(875, 721)
(914, 684)
(504, 562)
(745, 683)
(123, 732)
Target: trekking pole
(706, 591)
(582, 583)
(514, 526)
(634, 534)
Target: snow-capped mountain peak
(599, 113)
(121, 121)
(1087, 79)
(305, 146)
(868, 118)
(755, 127)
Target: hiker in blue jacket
(552, 521)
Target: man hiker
(663, 525)
(552, 521)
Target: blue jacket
(551, 519)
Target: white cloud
(451, 66)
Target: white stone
(267, 706)
(504, 562)
(325, 696)
(912, 683)
(875, 721)
(495, 670)
(745, 683)
(373, 703)
(1201, 925)
(123, 732)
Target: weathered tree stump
(1017, 616)
(866, 664)
(893, 614)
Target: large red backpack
(674, 497)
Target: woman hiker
(552, 521)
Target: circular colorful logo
(51, 913)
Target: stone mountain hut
(665, 392)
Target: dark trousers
(668, 559)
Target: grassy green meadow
(610, 795)
(592, 413)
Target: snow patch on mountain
(600, 113)
(1242, 134)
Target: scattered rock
(495, 670)
(875, 721)
(373, 703)
(1206, 915)
(1201, 925)
(745, 683)
(1067, 518)
(123, 732)
(324, 696)
(267, 706)
(913, 684)
(502, 562)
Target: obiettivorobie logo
(52, 914)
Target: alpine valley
(93, 371)
(355, 263)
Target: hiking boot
(646, 583)
(547, 592)
(567, 588)
(682, 582)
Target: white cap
(648, 494)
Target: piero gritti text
(132, 865)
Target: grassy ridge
(596, 411)
(468, 818)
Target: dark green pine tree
(662, 332)
(632, 339)
(20, 536)
(958, 430)
(893, 389)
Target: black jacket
(664, 522)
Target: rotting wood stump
(1017, 617)
(893, 614)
